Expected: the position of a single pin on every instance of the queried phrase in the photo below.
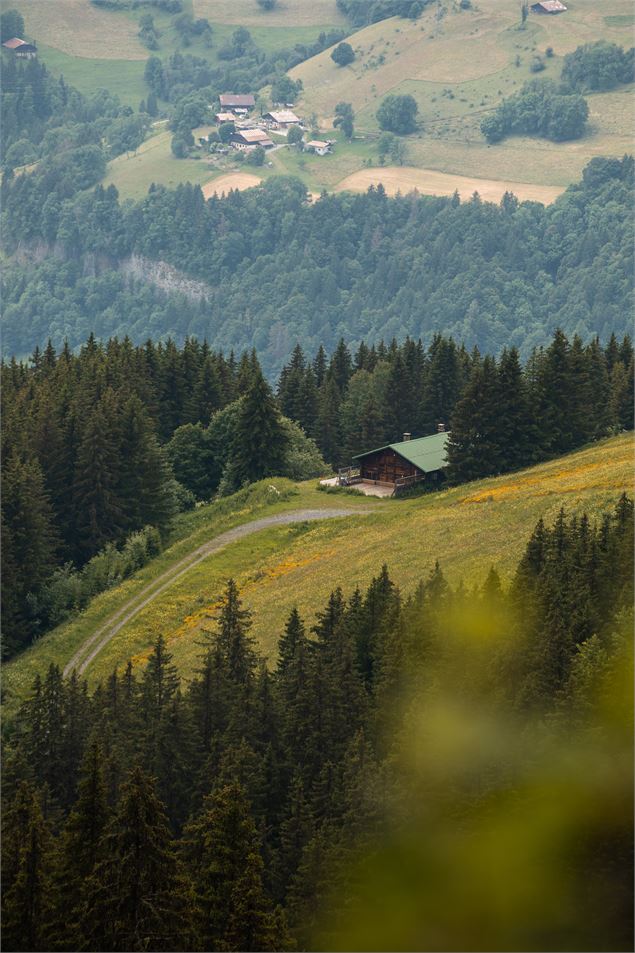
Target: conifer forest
(317, 520)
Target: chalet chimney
(407, 436)
(440, 428)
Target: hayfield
(287, 13)
(78, 28)
(468, 528)
(458, 66)
(428, 182)
(223, 184)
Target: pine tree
(260, 441)
(79, 849)
(99, 511)
(138, 897)
(328, 432)
(26, 872)
(221, 850)
(145, 488)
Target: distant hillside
(458, 64)
(280, 271)
(469, 529)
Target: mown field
(469, 529)
(458, 65)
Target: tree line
(280, 270)
(89, 459)
(503, 415)
(231, 812)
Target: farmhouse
(236, 101)
(224, 117)
(388, 470)
(21, 48)
(548, 6)
(318, 146)
(281, 119)
(247, 139)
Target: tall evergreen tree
(260, 441)
(138, 897)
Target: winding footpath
(93, 645)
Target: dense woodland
(231, 813)
(280, 271)
(102, 449)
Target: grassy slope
(456, 66)
(461, 65)
(468, 528)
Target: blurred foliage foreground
(449, 770)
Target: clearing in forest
(429, 182)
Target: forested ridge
(102, 449)
(232, 813)
(362, 267)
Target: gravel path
(95, 642)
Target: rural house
(318, 146)
(247, 139)
(397, 466)
(224, 117)
(21, 48)
(548, 6)
(281, 119)
(237, 102)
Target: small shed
(548, 6)
(20, 48)
(406, 462)
(236, 101)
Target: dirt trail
(93, 645)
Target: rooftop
(283, 115)
(14, 43)
(237, 99)
(426, 453)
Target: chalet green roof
(426, 453)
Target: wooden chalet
(318, 146)
(403, 464)
(21, 48)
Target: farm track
(93, 645)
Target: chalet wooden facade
(405, 463)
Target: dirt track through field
(96, 642)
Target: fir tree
(138, 897)
(260, 441)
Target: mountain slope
(468, 528)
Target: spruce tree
(221, 850)
(138, 897)
(260, 442)
(26, 873)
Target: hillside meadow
(468, 529)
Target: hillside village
(240, 127)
